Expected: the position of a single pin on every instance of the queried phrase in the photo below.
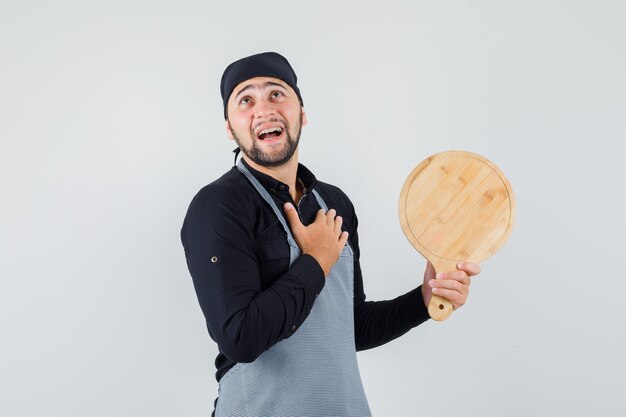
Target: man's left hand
(453, 286)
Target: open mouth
(270, 134)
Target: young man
(274, 257)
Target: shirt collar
(272, 184)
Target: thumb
(292, 217)
(429, 273)
(427, 292)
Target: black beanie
(266, 64)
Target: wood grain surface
(456, 206)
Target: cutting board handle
(440, 308)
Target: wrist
(320, 259)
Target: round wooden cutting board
(456, 206)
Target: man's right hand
(322, 239)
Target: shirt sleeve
(243, 319)
(379, 322)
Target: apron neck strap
(266, 196)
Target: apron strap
(323, 205)
(320, 200)
(267, 197)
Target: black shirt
(238, 258)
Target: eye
(245, 100)
(276, 94)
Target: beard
(270, 159)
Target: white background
(111, 120)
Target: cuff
(308, 271)
(412, 307)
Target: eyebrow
(265, 85)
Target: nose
(264, 108)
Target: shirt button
(293, 329)
(281, 187)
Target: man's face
(265, 118)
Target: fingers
(452, 290)
(460, 276)
(292, 217)
(455, 297)
(450, 283)
(471, 268)
(323, 239)
(338, 222)
(453, 286)
(320, 216)
(343, 239)
(331, 219)
(330, 216)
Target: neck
(286, 173)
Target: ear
(228, 132)
(304, 121)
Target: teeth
(271, 129)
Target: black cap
(266, 64)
